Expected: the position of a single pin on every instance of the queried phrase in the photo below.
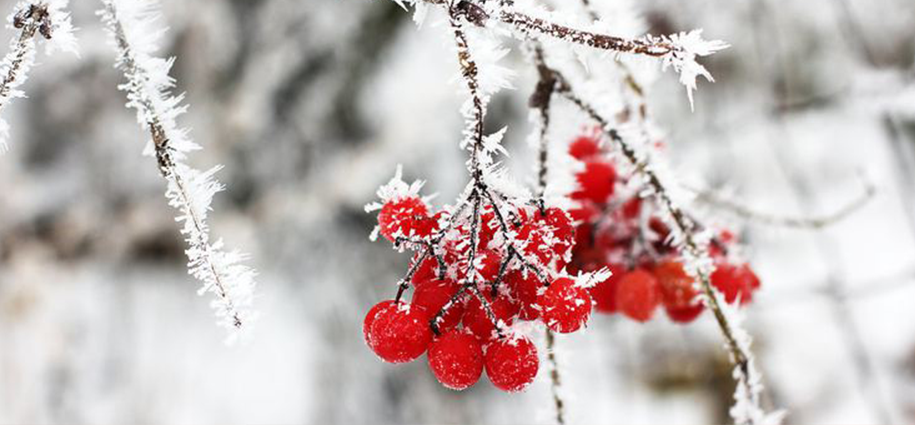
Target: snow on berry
(427, 271)
(637, 295)
(370, 318)
(432, 296)
(511, 363)
(524, 286)
(405, 217)
(456, 359)
(477, 319)
(565, 306)
(398, 333)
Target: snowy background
(312, 104)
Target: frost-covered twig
(815, 222)
(34, 17)
(555, 378)
(131, 26)
(692, 243)
(678, 51)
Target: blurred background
(312, 104)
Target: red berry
(548, 235)
(565, 306)
(735, 282)
(604, 293)
(407, 217)
(398, 333)
(433, 295)
(489, 264)
(596, 182)
(427, 271)
(584, 147)
(677, 292)
(370, 318)
(685, 314)
(523, 286)
(637, 295)
(476, 319)
(456, 359)
(632, 208)
(586, 212)
(511, 363)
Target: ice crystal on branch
(132, 26)
(47, 20)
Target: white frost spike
(396, 189)
(683, 58)
(15, 66)
(131, 24)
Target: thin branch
(690, 247)
(555, 378)
(31, 20)
(189, 190)
(814, 223)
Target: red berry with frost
(370, 318)
(456, 359)
(407, 217)
(596, 182)
(735, 282)
(511, 363)
(432, 296)
(398, 332)
(477, 320)
(604, 292)
(524, 286)
(426, 272)
(680, 298)
(565, 306)
(637, 295)
(584, 147)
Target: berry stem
(555, 378)
(404, 282)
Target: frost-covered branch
(816, 222)
(132, 27)
(32, 18)
(678, 51)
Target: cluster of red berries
(623, 234)
(473, 276)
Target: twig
(555, 378)
(189, 191)
(690, 247)
(814, 223)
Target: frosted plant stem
(189, 190)
(690, 248)
(555, 378)
(541, 100)
(17, 62)
(23, 46)
(812, 222)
